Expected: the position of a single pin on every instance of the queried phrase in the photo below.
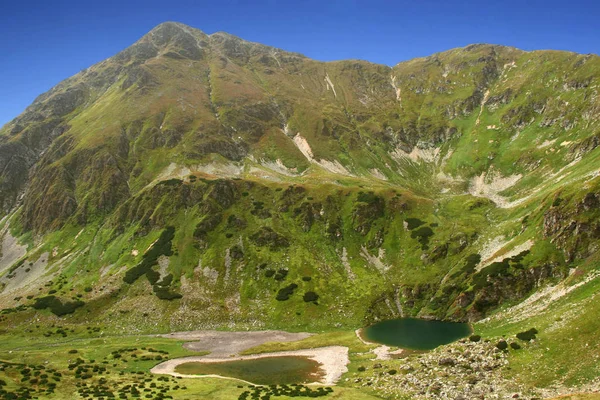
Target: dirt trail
(226, 344)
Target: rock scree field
(204, 198)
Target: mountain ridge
(186, 28)
(184, 122)
(197, 181)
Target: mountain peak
(172, 27)
(172, 31)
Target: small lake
(415, 334)
(261, 371)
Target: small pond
(261, 371)
(415, 334)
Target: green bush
(149, 259)
(474, 338)
(269, 273)
(236, 252)
(413, 223)
(310, 297)
(285, 293)
(527, 335)
(502, 345)
(166, 281)
(281, 274)
(56, 306)
(152, 276)
(471, 263)
(164, 293)
(422, 235)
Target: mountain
(198, 181)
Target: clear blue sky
(43, 42)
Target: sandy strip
(382, 352)
(333, 360)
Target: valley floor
(61, 360)
(92, 364)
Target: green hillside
(198, 181)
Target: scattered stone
(447, 362)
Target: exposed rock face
(15, 161)
(572, 224)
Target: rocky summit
(197, 181)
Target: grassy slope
(566, 350)
(542, 108)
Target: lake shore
(333, 361)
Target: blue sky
(44, 42)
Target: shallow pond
(261, 371)
(416, 334)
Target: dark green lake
(261, 371)
(415, 334)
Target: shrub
(474, 338)
(166, 281)
(56, 306)
(281, 274)
(422, 235)
(153, 276)
(515, 346)
(269, 273)
(285, 293)
(471, 264)
(171, 182)
(236, 252)
(527, 335)
(149, 259)
(502, 345)
(413, 223)
(367, 197)
(310, 296)
(306, 278)
(164, 293)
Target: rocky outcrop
(573, 225)
(15, 161)
(267, 237)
